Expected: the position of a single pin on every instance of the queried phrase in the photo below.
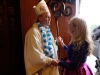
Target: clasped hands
(60, 41)
(55, 62)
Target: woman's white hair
(81, 33)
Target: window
(90, 11)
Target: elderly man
(40, 49)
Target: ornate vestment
(36, 62)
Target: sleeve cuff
(49, 60)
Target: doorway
(11, 48)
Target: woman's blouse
(76, 57)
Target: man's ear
(40, 18)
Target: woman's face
(71, 28)
(46, 19)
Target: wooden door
(11, 50)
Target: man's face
(45, 19)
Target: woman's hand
(60, 40)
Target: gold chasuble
(36, 62)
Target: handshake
(55, 62)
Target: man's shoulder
(33, 29)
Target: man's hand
(54, 62)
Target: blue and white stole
(47, 40)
